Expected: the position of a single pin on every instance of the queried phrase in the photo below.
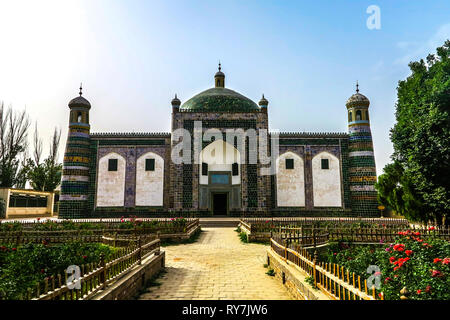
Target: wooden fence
(89, 235)
(355, 235)
(331, 279)
(271, 224)
(95, 277)
(104, 223)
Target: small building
(23, 203)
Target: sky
(133, 56)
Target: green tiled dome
(219, 100)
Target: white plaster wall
(291, 182)
(149, 184)
(220, 156)
(326, 182)
(111, 184)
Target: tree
(13, 142)
(45, 176)
(421, 135)
(395, 190)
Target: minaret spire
(219, 77)
(357, 86)
(81, 89)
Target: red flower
(13, 249)
(387, 280)
(84, 257)
(396, 268)
(419, 291)
(408, 252)
(42, 270)
(436, 260)
(428, 289)
(446, 261)
(436, 273)
(399, 247)
(431, 228)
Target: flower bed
(164, 226)
(420, 264)
(24, 266)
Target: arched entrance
(219, 178)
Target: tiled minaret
(362, 171)
(75, 179)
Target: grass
(271, 272)
(310, 280)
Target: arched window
(358, 115)
(79, 117)
(350, 117)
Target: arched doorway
(219, 178)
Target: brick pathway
(216, 267)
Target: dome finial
(220, 77)
(81, 89)
(263, 102)
(176, 102)
(357, 86)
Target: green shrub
(10, 226)
(2, 209)
(310, 280)
(243, 237)
(24, 266)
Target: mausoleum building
(216, 161)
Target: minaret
(75, 179)
(263, 103)
(176, 104)
(219, 78)
(362, 170)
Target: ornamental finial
(81, 89)
(357, 86)
(220, 66)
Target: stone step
(219, 222)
